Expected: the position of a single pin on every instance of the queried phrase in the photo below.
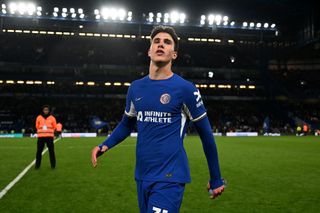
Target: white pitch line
(12, 183)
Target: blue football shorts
(159, 197)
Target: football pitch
(264, 174)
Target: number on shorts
(158, 210)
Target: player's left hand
(215, 188)
(96, 152)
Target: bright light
(3, 6)
(72, 10)
(80, 11)
(251, 24)
(166, 15)
(56, 9)
(273, 26)
(81, 15)
(39, 13)
(55, 14)
(225, 18)
(13, 7)
(64, 10)
(218, 18)
(202, 22)
(266, 25)
(232, 23)
(122, 14)
(73, 15)
(98, 17)
(64, 15)
(96, 12)
(182, 18)
(4, 11)
(174, 16)
(159, 15)
(203, 17)
(210, 74)
(258, 25)
(151, 15)
(158, 20)
(211, 19)
(225, 23)
(245, 24)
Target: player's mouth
(159, 52)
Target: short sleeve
(130, 110)
(193, 105)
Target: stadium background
(250, 77)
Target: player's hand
(96, 152)
(215, 188)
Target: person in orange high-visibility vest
(46, 125)
(305, 129)
(58, 129)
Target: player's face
(162, 48)
(45, 110)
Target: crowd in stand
(47, 57)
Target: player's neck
(158, 72)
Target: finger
(94, 157)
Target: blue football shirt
(162, 109)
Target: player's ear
(149, 52)
(174, 55)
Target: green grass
(264, 174)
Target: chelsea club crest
(165, 98)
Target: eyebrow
(166, 40)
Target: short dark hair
(166, 29)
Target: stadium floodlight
(210, 74)
(174, 17)
(266, 25)
(150, 20)
(218, 18)
(225, 18)
(39, 13)
(251, 24)
(151, 15)
(129, 18)
(159, 15)
(211, 19)
(56, 9)
(13, 7)
(158, 20)
(4, 11)
(73, 15)
(64, 15)
(232, 23)
(3, 6)
(80, 10)
(225, 23)
(81, 16)
(113, 13)
(122, 14)
(245, 24)
(64, 10)
(273, 26)
(55, 14)
(31, 9)
(72, 10)
(258, 25)
(96, 12)
(166, 15)
(98, 17)
(182, 18)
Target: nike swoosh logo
(138, 99)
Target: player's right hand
(96, 152)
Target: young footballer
(161, 104)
